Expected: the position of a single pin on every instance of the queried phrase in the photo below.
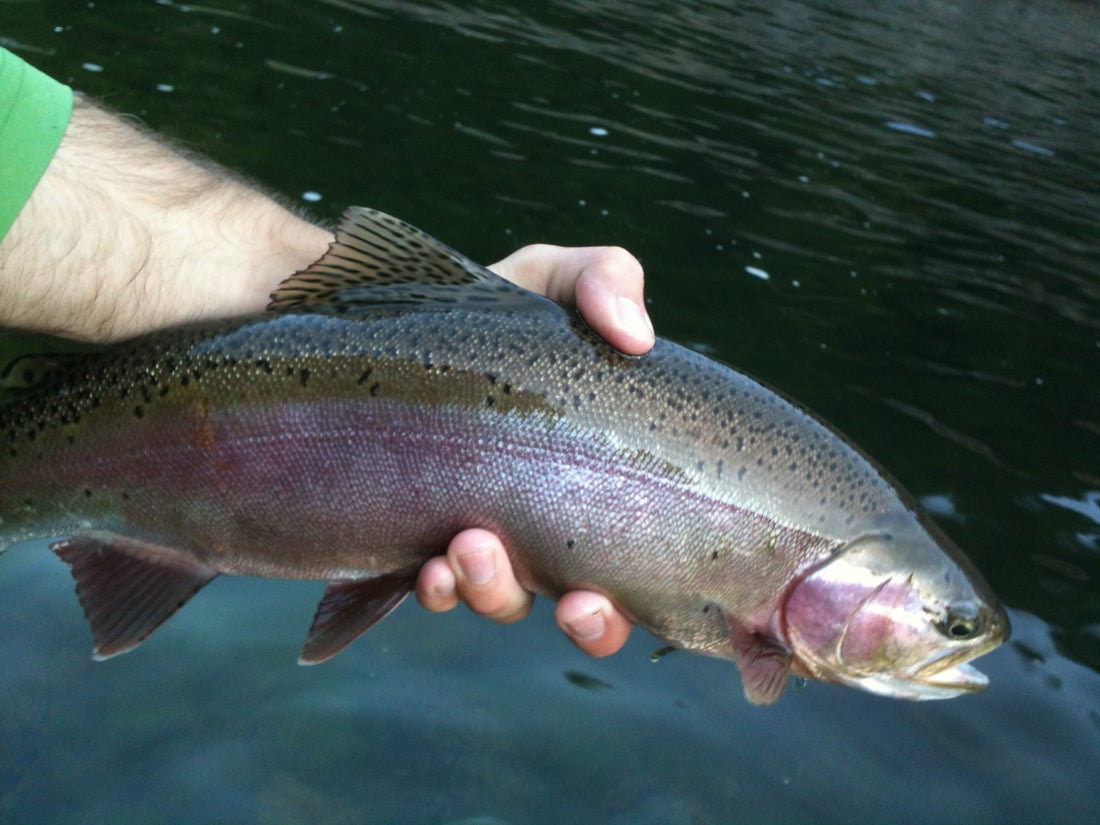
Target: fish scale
(396, 393)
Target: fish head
(899, 611)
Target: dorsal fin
(378, 259)
(38, 359)
(28, 371)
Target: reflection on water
(888, 212)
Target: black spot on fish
(374, 388)
(366, 375)
(87, 493)
(570, 544)
(303, 376)
(741, 473)
(713, 556)
(139, 411)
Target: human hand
(605, 283)
(123, 236)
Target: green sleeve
(34, 111)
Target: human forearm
(123, 235)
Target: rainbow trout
(396, 393)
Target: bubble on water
(909, 129)
(757, 272)
(311, 196)
(92, 67)
(1088, 505)
(939, 505)
(1031, 147)
(598, 131)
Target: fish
(395, 393)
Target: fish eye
(960, 625)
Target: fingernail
(587, 628)
(479, 566)
(632, 319)
(442, 592)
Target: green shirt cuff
(34, 111)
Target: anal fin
(349, 609)
(128, 588)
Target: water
(889, 213)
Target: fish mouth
(953, 680)
(940, 679)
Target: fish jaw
(880, 618)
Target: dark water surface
(888, 211)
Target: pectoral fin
(764, 666)
(349, 609)
(128, 588)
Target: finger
(591, 621)
(604, 282)
(436, 586)
(609, 296)
(484, 579)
